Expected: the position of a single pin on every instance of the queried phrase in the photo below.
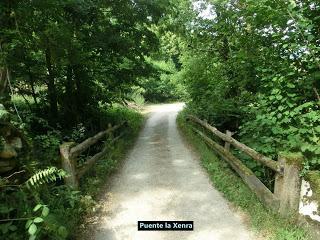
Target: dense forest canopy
(66, 57)
(253, 67)
(67, 68)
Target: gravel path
(162, 180)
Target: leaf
(4, 228)
(38, 220)
(310, 37)
(13, 228)
(36, 208)
(290, 85)
(28, 223)
(45, 211)
(32, 237)
(5, 209)
(47, 175)
(62, 231)
(292, 4)
(32, 229)
(304, 147)
(291, 73)
(317, 129)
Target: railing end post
(288, 185)
(68, 164)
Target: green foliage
(266, 223)
(4, 114)
(118, 114)
(71, 66)
(165, 86)
(42, 207)
(46, 146)
(252, 67)
(45, 176)
(32, 224)
(137, 96)
(65, 58)
(18, 213)
(78, 132)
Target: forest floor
(162, 179)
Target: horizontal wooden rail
(77, 150)
(91, 161)
(262, 192)
(69, 152)
(285, 198)
(249, 151)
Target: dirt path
(162, 180)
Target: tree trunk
(33, 92)
(69, 104)
(52, 91)
(3, 80)
(80, 94)
(4, 93)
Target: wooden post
(110, 135)
(69, 153)
(69, 165)
(287, 186)
(227, 144)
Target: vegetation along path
(162, 180)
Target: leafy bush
(36, 204)
(265, 222)
(166, 85)
(17, 207)
(284, 120)
(253, 69)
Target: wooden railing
(285, 198)
(69, 151)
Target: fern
(50, 174)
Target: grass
(98, 176)
(266, 223)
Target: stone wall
(310, 196)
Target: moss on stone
(313, 177)
(295, 158)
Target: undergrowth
(266, 223)
(38, 205)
